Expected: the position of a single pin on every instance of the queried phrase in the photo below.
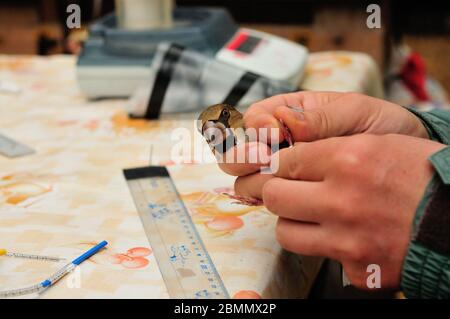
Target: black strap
(162, 81)
(241, 88)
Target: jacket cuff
(437, 124)
(426, 274)
(426, 268)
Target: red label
(237, 41)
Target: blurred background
(412, 33)
(117, 51)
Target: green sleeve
(426, 268)
(437, 123)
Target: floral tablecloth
(70, 194)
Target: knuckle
(250, 115)
(357, 253)
(321, 120)
(294, 166)
(338, 202)
(284, 238)
(358, 280)
(344, 210)
(347, 204)
(269, 195)
(280, 234)
(354, 96)
(336, 251)
(238, 185)
(294, 169)
(357, 256)
(355, 154)
(347, 249)
(340, 246)
(253, 109)
(255, 106)
(331, 202)
(345, 163)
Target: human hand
(330, 114)
(323, 115)
(351, 199)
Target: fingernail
(298, 112)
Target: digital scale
(184, 262)
(115, 62)
(265, 54)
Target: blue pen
(38, 288)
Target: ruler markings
(184, 262)
(162, 240)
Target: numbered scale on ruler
(183, 260)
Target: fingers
(323, 114)
(251, 185)
(313, 123)
(317, 123)
(262, 114)
(266, 127)
(297, 200)
(267, 106)
(303, 99)
(304, 238)
(350, 113)
(245, 159)
(260, 118)
(304, 161)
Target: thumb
(321, 122)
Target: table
(71, 193)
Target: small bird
(222, 126)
